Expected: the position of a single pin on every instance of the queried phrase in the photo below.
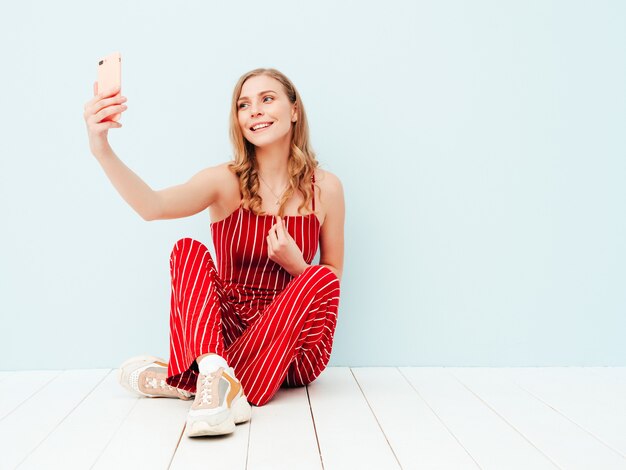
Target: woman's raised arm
(175, 202)
(188, 198)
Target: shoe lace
(205, 391)
(161, 383)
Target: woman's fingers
(280, 229)
(109, 110)
(105, 97)
(106, 107)
(99, 108)
(98, 117)
(103, 103)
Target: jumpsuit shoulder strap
(313, 188)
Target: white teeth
(260, 126)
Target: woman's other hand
(283, 249)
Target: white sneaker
(219, 404)
(145, 376)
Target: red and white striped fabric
(272, 328)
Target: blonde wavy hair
(301, 164)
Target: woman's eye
(271, 97)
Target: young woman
(260, 315)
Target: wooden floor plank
(282, 436)
(413, 430)
(566, 444)
(148, 436)
(348, 433)
(78, 441)
(491, 442)
(28, 382)
(30, 424)
(593, 400)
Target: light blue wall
(480, 144)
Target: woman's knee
(184, 245)
(324, 275)
(316, 269)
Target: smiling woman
(259, 316)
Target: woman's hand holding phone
(105, 109)
(97, 110)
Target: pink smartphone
(110, 77)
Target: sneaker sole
(202, 428)
(240, 413)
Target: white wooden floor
(349, 418)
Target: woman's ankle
(210, 362)
(203, 356)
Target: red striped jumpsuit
(272, 328)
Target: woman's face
(263, 100)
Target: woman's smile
(262, 128)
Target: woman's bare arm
(188, 198)
(141, 197)
(175, 202)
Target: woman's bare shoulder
(330, 189)
(225, 167)
(226, 172)
(220, 177)
(228, 180)
(327, 179)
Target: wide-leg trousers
(288, 343)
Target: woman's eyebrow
(260, 93)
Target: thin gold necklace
(277, 197)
